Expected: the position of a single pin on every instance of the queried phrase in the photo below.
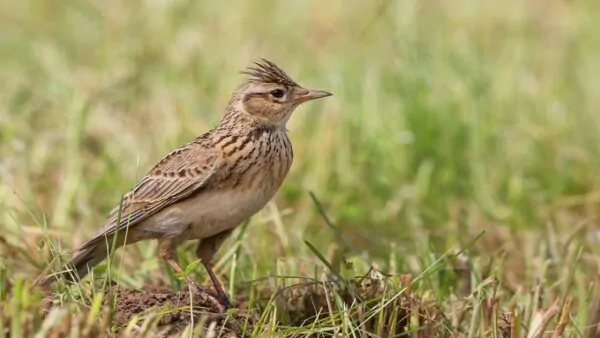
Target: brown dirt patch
(176, 310)
(179, 308)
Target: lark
(203, 190)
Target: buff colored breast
(225, 207)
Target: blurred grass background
(448, 119)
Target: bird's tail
(84, 259)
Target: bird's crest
(267, 71)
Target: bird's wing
(178, 175)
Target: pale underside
(205, 215)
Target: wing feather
(178, 175)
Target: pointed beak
(313, 95)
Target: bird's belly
(208, 214)
(221, 211)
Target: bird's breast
(253, 175)
(256, 162)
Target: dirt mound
(178, 308)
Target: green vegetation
(460, 155)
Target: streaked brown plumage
(206, 188)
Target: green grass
(463, 125)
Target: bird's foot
(224, 301)
(221, 305)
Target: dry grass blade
(541, 319)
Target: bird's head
(270, 95)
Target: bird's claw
(221, 305)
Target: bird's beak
(313, 95)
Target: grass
(459, 157)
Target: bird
(203, 190)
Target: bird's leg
(206, 249)
(167, 254)
(217, 285)
(177, 268)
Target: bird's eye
(277, 93)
